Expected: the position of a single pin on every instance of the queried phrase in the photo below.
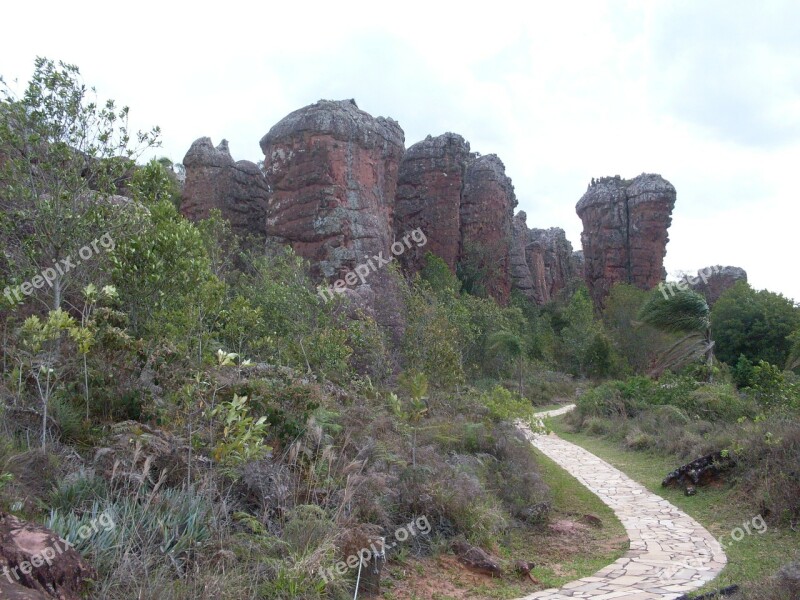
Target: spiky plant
(684, 313)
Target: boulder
(34, 557)
(476, 559)
(700, 471)
(625, 224)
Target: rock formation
(215, 180)
(542, 260)
(465, 205)
(332, 171)
(625, 223)
(521, 275)
(487, 212)
(430, 182)
(713, 281)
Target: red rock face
(542, 261)
(625, 224)
(521, 276)
(332, 169)
(214, 180)
(487, 211)
(429, 187)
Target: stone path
(670, 553)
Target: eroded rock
(430, 182)
(215, 181)
(712, 282)
(625, 224)
(487, 212)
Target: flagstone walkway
(670, 553)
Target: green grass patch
(572, 499)
(720, 509)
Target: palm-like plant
(684, 312)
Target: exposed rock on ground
(698, 472)
(33, 557)
(625, 223)
(476, 559)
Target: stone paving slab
(670, 553)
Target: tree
(584, 347)
(62, 156)
(687, 313)
(507, 344)
(757, 324)
(639, 343)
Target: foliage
(242, 437)
(685, 312)
(638, 343)
(758, 325)
(504, 405)
(64, 154)
(584, 348)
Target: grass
(559, 558)
(720, 509)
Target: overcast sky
(705, 93)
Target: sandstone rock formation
(465, 205)
(487, 212)
(521, 275)
(430, 182)
(33, 557)
(214, 180)
(542, 260)
(332, 171)
(713, 281)
(624, 237)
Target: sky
(707, 94)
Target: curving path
(670, 553)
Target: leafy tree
(63, 155)
(758, 325)
(687, 313)
(505, 343)
(637, 342)
(584, 347)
